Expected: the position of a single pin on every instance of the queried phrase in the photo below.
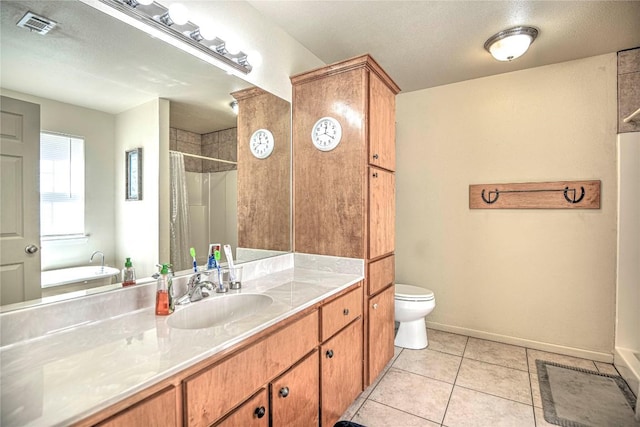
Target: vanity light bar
(155, 16)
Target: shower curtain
(179, 219)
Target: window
(61, 185)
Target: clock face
(326, 134)
(261, 143)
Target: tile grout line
(444, 415)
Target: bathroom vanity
(297, 361)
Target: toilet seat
(412, 293)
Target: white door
(19, 201)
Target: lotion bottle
(164, 299)
(128, 274)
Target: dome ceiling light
(510, 44)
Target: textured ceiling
(423, 44)
(93, 60)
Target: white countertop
(64, 377)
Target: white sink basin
(214, 311)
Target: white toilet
(412, 305)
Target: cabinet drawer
(338, 313)
(213, 392)
(295, 395)
(158, 410)
(253, 413)
(381, 274)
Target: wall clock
(261, 143)
(326, 134)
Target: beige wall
(98, 130)
(140, 230)
(543, 278)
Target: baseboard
(536, 345)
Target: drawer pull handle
(375, 306)
(345, 311)
(375, 157)
(329, 354)
(259, 412)
(375, 174)
(284, 392)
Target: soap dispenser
(128, 274)
(164, 299)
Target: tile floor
(460, 381)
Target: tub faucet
(102, 255)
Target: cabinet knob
(345, 311)
(375, 306)
(259, 412)
(284, 392)
(375, 174)
(329, 354)
(375, 157)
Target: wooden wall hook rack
(541, 195)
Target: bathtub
(64, 280)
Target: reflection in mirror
(119, 89)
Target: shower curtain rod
(204, 157)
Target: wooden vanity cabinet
(216, 390)
(344, 199)
(158, 410)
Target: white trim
(536, 345)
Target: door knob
(31, 249)
(284, 392)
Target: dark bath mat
(574, 397)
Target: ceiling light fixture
(510, 44)
(172, 25)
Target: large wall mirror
(116, 89)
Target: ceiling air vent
(35, 23)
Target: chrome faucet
(196, 290)
(102, 255)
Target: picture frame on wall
(133, 172)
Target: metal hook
(573, 200)
(489, 201)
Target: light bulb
(178, 14)
(511, 47)
(207, 31)
(231, 45)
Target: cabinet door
(380, 331)
(341, 372)
(158, 410)
(294, 395)
(382, 212)
(253, 413)
(382, 124)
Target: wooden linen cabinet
(344, 198)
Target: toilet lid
(412, 293)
